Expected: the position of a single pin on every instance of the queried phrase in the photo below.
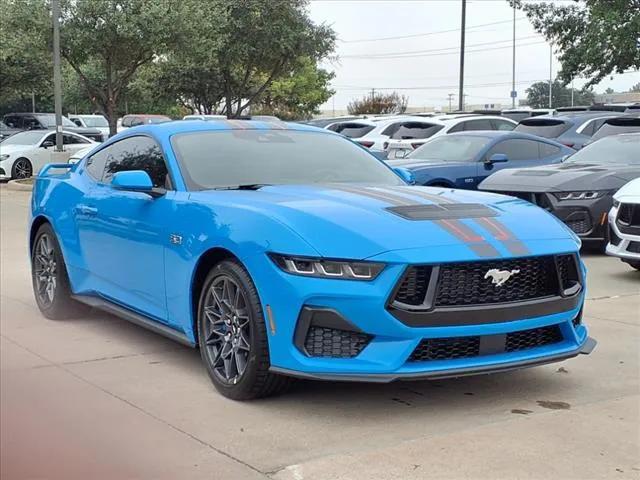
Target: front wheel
(21, 168)
(232, 335)
(634, 264)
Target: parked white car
(624, 223)
(24, 154)
(413, 135)
(91, 121)
(80, 154)
(371, 132)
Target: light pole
(450, 98)
(513, 76)
(57, 86)
(462, 32)
(551, 75)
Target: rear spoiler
(49, 166)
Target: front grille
(334, 343)
(628, 220)
(462, 284)
(579, 226)
(431, 349)
(536, 337)
(413, 287)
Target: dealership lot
(97, 397)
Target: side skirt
(134, 317)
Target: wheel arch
(36, 223)
(439, 182)
(205, 263)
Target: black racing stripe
(505, 236)
(417, 191)
(464, 233)
(392, 200)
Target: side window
(72, 140)
(502, 125)
(480, 124)
(13, 121)
(31, 122)
(50, 138)
(588, 129)
(126, 122)
(95, 163)
(516, 149)
(597, 124)
(137, 153)
(77, 121)
(547, 150)
(391, 129)
(457, 128)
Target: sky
(425, 66)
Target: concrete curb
(16, 185)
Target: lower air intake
(330, 342)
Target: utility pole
(57, 86)
(462, 32)
(551, 75)
(572, 92)
(513, 77)
(450, 99)
(33, 102)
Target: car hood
(355, 221)
(563, 177)
(9, 149)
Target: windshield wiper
(246, 186)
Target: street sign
(514, 94)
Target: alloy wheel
(227, 329)
(22, 168)
(45, 270)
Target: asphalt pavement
(99, 398)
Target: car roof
(573, 116)
(499, 134)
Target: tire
(21, 168)
(634, 264)
(232, 335)
(49, 277)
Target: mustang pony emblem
(499, 277)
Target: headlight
(3, 157)
(586, 195)
(326, 268)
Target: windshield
(543, 127)
(455, 148)
(24, 138)
(273, 157)
(411, 130)
(97, 121)
(609, 150)
(49, 121)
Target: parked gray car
(571, 129)
(47, 121)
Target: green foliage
(379, 103)
(25, 59)
(107, 41)
(538, 95)
(594, 38)
(635, 88)
(298, 94)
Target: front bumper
(387, 354)
(622, 245)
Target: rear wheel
(49, 277)
(21, 168)
(232, 335)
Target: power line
(393, 57)
(437, 87)
(428, 33)
(457, 47)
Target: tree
(298, 94)
(635, 88)
(107, 41)
(609, 91)
(594, 38)
(379, 103)
(248, 44)
(538, 95)
(25, 57)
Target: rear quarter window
(352, 130)
(411, 130)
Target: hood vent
(443, 211)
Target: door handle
(87, 210)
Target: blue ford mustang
(283, 250)
(463, 160)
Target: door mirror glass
(406, 174)
(47, 144)
(77, 122)
(498, 158)
(132, 180)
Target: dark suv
(47, 121)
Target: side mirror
(406, 175)
(47, 144)
(135, 181)
(78, 122)
(498, 158)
